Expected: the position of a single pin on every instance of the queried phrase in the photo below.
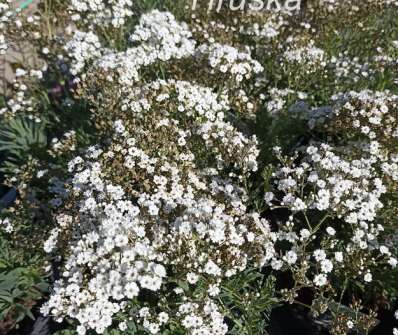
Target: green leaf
(21, 138)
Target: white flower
(211, 268)
(276, 264)
(159, 270)
(50, 243)
(338, 256)
(268, 197)
(305, 233)
(368, 277)
(393, 262)
(123, 326)
(384, 250)
(192, 278)
(319, 255)
(163, 317)
(20, 72)
(291, 257)
(81, 330)
(326, 266)
(213, 290)
(320, 280)
(331, 231)
(131, 290)
(119, 127)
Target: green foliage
(20, 288)
(22, 282)
(284, 131)
(248, 299)
(65, 332)
(21, 138)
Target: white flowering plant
(183, 171)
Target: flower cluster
(110, 13)
(82, 48)
(336, 194)
(225, 58)
(159, 216)
(350, 69)
(352, 5)
(278, 99)
(332, 230)
(308, 56)
(5, 16)
(371, 114)
(161, 31)
(161, 39)
(351, 189)
(6, 225)
(373, 117)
